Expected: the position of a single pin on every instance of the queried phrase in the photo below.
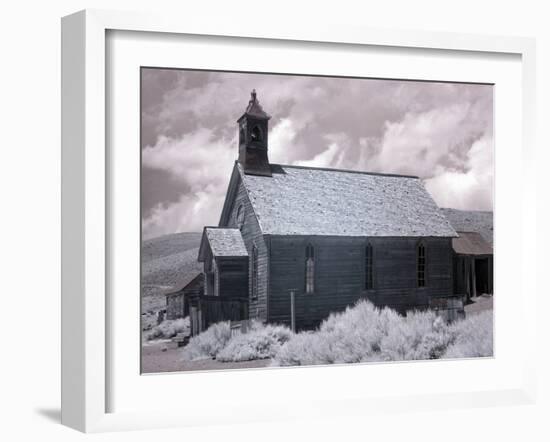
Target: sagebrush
(362, 333)
(473, 337)
(168, 329)
(207, 344)
(260, 342)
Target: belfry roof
(254, 108)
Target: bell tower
(253, 139)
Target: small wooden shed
(472, 265)
(177, 302)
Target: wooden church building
(323, 238)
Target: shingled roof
(313, 201)
(471, 243)
(223, 242)
(471, 221)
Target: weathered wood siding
(232, 277)
(252, 235)
(177, 304)
(208, 310)
(210, 277)
(340, 275)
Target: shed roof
(472, 221)
(223, 242)
(191, 279)
(298, 200)
(471, 243)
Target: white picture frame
(86, 208)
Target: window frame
(421, 267)
(240, 214)
(254, 273)
(309, 274)
(368, 266)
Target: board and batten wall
(340, 275)
(232, 277)
(252, 236)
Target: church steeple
(253, 138)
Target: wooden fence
(449, 308)
(208, 310)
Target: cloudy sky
(442, 132)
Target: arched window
(254, 268)
(421, 265)
(310, 269)
(239, 219)
(256, 134)
(369, 280)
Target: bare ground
(479, 304)
(155, 360)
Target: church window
(421, 265)
(240, 217)
(254, 291)
(310, 269)
(369, 279)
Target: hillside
(167, 263)
(166, 245)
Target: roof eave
(232, 188)
(203, 246)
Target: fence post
(292, 312)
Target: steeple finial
(254, 108)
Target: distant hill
(471, 221)
(166, 245)
(167, 263)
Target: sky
(441, 132)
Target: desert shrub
(364, 333)
(306, 348)
(354, 335)
(260, 342)
(168, 329)
(473, 337)
(358, 331)
(207, 344)
(419, 335)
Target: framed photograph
(284, 208)
(359, 231)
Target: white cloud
(281, 138)
(420, 142)
(469, 190)
(190, 214)
(204, 165)
(198, 158)
(332, 156)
